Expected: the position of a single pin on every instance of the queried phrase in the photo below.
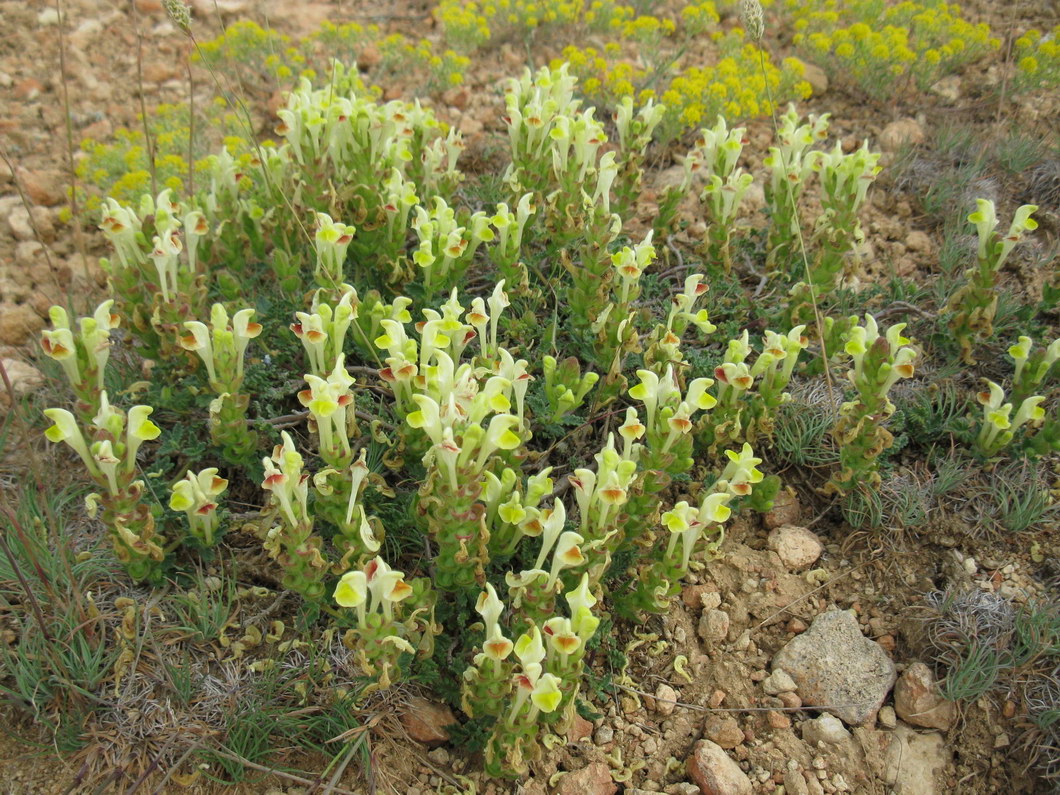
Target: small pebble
(778, 720)
(604, 735)
(887, 717)
(711, 600)
(665, 698)
(778, 682)
(797, 626)
(713, 626)
(825, 728)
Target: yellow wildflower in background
(734, 86)
(1038, 60)
(873, 45)
(468, 24)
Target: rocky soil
(793, 664)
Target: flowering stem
(818, 322)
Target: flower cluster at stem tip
(1037, 59)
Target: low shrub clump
(466, 422)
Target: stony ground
(798, 613)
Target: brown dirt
(881, 580)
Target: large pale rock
(159, 71)
(796, 546)
(948, 88)
(18, 323)
(299, 19)
(903, 132)
(913, 761)
(713, 626)
(754, 200)
(674, 176)
(19, 224)
(815, 76)
(838, 668)
(594, 779)
(23, 226)
(28, 253)
(711, 769)
(826, 729)
(28, 90)
(229, 7)
(795, 783)
(470, 127)
(426, 721)
(917, 700)
(43, 187)
(24, 379)
(370, 56)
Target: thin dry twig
(75, 210)
(818, 319)
(38, 614)
(176, 766)
(346, 759)
(276, 772)
(153, 766)
(904, 307)
(191, 129)
(149, 144)
(367, 372)
(700, 708)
